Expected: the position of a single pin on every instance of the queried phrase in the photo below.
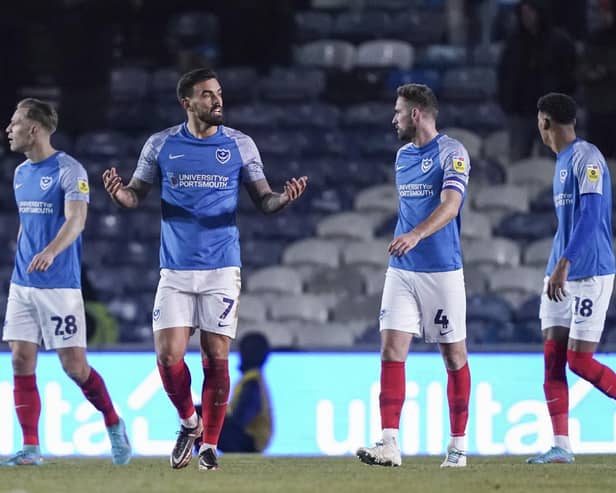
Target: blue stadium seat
(475, 225)
(418, 26)
(387, 227)
(536, 254)
(487, 172)
(293, 84)
(329, 143)
(529, 310)
(328, 199)
(191, 29)
(482, 117)
(239, 84)
(103, 145)
(62, 141)
(129, 116)
(274, 279)
(361, 25)
(496, 146)
(164, 81)
(361, 310)
(249, 117)
(340, 282)
(313, 252)
(368, 115)
(312, 25)
(427, 76)
(129, 84)
(469, 84)
(168, 114)
(310, 115)
(261, 253)
(441, 57)
(527, 226)
(489, 308)
(377, 198)
(487, 55)
(281, 143)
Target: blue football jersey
(200, 181)
(581, 169)
(421, 174)
(41, 189)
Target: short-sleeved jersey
(581, 169)
(421, 174)
(41, 189)
(200, 181)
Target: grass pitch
(253, 473)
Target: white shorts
(428, 303)
(205, 299)
(55, 317)
(583, 310)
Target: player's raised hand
(112, 181)
(41, 261)
(403, 244)
(294, 188)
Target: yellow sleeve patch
(459, 165)
(592, 172)
(83, 186)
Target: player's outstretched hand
(112, 181)
(403, 244)
(295, 187)
(41, 261)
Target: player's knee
(579, 362)
(76, 370)
(23, 364)
(169, 358)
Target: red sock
(95, 391)
(555, 385)
(176, 381)
(27, 406)
(587, 367)
(393, 393)
(214, 397)
(458, 394)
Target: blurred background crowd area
(313, 82)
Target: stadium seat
(239, 83)
(358, 85)
(102, 145)
(487, 172)
(385, 53)
(527, 226)
(374, 278)
(253, 308)
(327, 54)
(191, 29)
(496, 146)
(475, 225)
(310, 115)
(361, 310)
(536, 173)
(420, 26)
(339, 282)
(378, 144)
(469, 139)
(503, 198)
(361, 25)
(331, 4)
(299, 307)
(292, 84)
(489, 308)
(491, 253)
(517, 283)
(128, 84)
(253, 116)
(483, 117)
(313, 25)
(9, 225)
(382, 198)
(312, 252)
(349, 225)
(366, 253)
(536, 254)
(440, 56)
(368, 114)
(430, 77)
(261, 253)
(543, 200)
(278, 334)
(475, 281)
(329, 336)
(528, 311)
(469, 84)
(275, 279)
(487, 55)
(164, 81)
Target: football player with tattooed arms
(424, 285)
(580, 272)
(201, 164)
(45, 303)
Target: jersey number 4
(441, 319)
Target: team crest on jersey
(459, 165)
(592, 172)
(563, 175)
(426, 164)
(83, 186)
(173, 179)
(156, 314)
(223, 155)
(46, 182)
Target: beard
(407, 134)
(210, 118)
